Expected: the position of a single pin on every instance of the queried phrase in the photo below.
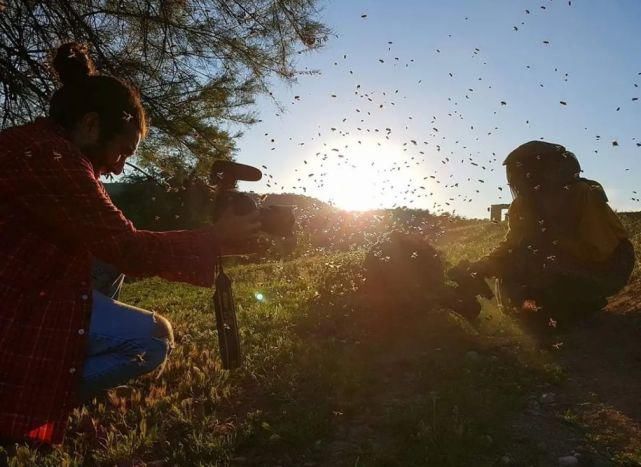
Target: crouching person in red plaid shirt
(61, 342)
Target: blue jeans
(106, 279)
(121, 345)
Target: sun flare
(360, 175)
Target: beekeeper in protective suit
(565, 250)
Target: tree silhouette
(198, 63)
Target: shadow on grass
(400, 386)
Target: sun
(361, 174)
(353, 189)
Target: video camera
(275, 220)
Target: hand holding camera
(235, 230)
(275, 220)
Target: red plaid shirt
(55, 215)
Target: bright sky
(453, 62)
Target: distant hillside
(292, 199)
(121, 189)
(319, 224)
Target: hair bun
(73, 63)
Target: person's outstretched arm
(55, 185)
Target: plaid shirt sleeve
(59, 190)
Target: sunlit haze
(357, 174)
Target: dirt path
(593, 416)
(596, 412)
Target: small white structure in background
(496, 212)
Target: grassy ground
(327, 380)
